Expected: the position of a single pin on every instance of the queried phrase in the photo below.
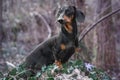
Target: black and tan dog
(59, 48)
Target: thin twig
(10, 64)
(87, 29)
(47, 25)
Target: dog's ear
(80, 17)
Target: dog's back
(42, 54)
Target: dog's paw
(56, 70)
(77, 50)
(59, 64)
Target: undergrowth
(73, 70)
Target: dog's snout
(61, 20)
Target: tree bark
(3, 66)
(116, 20)
(106, 53)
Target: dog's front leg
(58, 62)
(57, 55)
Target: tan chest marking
(62, 46)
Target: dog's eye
(69, 13)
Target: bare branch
(47, 25)
(10, 64)
(87, 29)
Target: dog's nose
(61, 21)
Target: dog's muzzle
(61, 19)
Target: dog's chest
(70, 44)
(67, 43)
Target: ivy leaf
(43, 68)
(20, 68)
(13, 72)
(38, 74)
(51, 78)
(49, 74)
(1, 75)
(69, 70)
(6, 78)
(32, 78)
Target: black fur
(48, 51)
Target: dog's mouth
(66, 21)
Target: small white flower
(89, 66)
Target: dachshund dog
(59, 48)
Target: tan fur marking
(67, 19)
(77, 49)
(58, 63)
(68, 27)
(62, 46)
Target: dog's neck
(73, 32)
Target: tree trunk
(116, 20)
(3, 66)
(106, 53)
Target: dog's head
(67, 14)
